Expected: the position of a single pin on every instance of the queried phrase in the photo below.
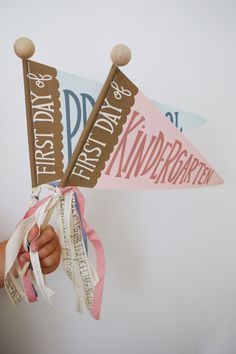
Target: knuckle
(48, 262)
(45, 271)
(50, 231)
(46, 250)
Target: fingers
(46, 236)
(50, 263)
(48, 247)
(48, 270)
(34, 232)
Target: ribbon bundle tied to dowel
(68, 204)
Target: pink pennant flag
(130, 145)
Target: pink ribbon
(28, 285)
(30, 291)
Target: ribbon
(93, 238)
(88, 283)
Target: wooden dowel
(29, 124)
(24, 49)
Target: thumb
(33, 234)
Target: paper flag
(130, 145)
(59, 105)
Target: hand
(48, 247)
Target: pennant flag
(127, 144)
(58, 106)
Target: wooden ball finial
(24, 48)
(120, 55)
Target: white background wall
(171, 255)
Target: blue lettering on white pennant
(80, 115)
(174, 118)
